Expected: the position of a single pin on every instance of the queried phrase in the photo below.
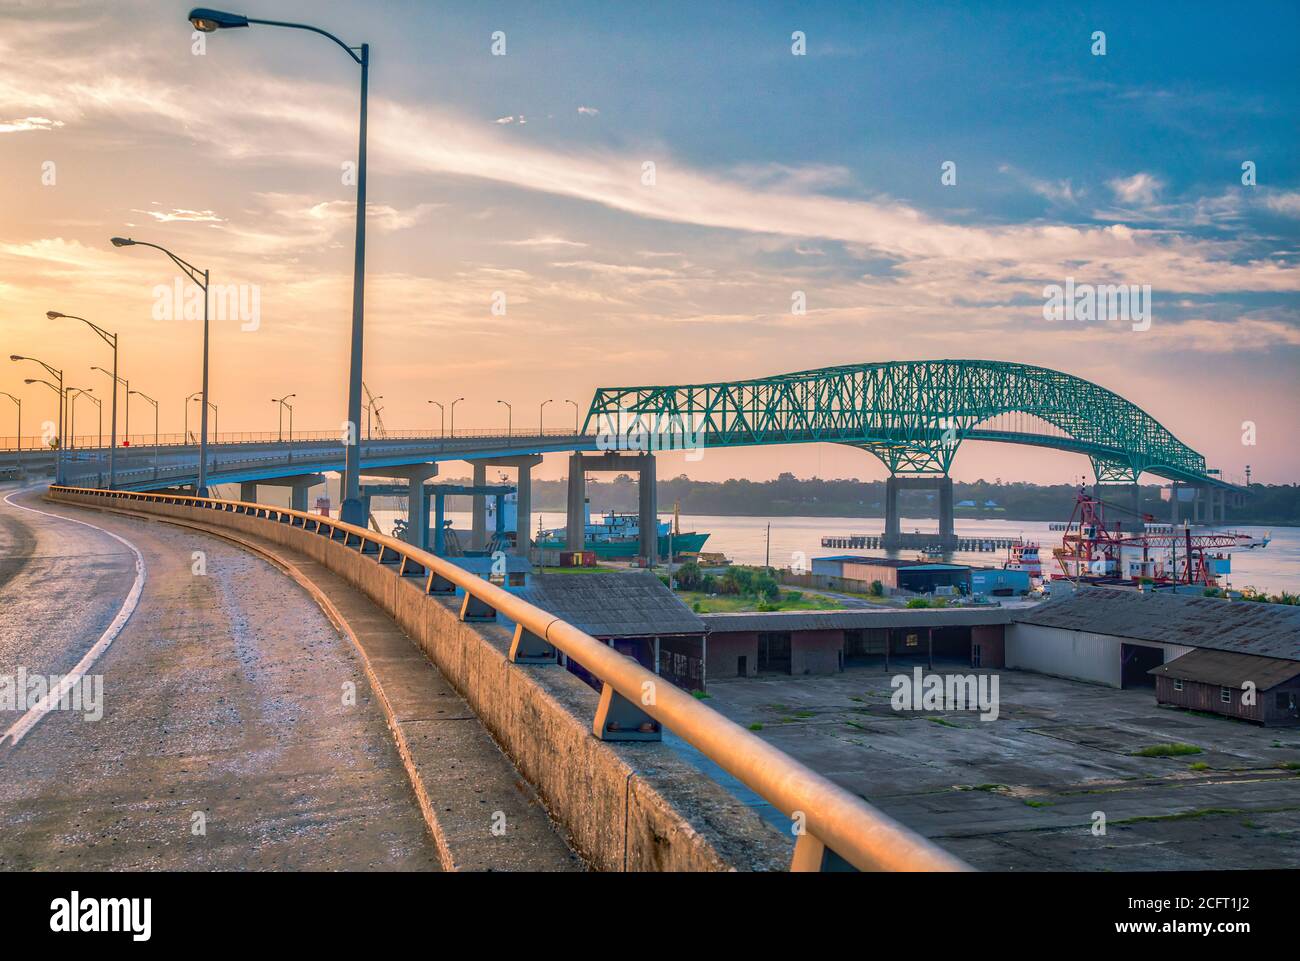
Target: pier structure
(640, 464)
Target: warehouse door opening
(774, 653)
(1136, 660)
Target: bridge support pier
(575, 517)
(478, 510)
(1125, 496)
(523, 464)
(643, 465)
(299, 485)
(417, 502)
(893, 538)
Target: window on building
(1178, 684)
(912, 640)
(1225, 695)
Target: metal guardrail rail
(839, 829)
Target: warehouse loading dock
(825, 642)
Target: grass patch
(756, 726)
(1290, 765)
(703, 603)
(701, 695)
(856, 725)
(1172, 749)
(804, 714)
(1037, 804)
(1200, 766)
(944, 721)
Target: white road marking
(29, 720)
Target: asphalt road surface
(227, 740)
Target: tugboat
(1023, 556)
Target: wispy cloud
(25, 124)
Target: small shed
(1265, 690)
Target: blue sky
(775, 173)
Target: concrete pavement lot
(1020, 792)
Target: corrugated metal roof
(883, 561)
(1245, 627)
(852, 620)
(619, 604)
(1229, 670)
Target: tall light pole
(155, 425)
(126, 420)
(541, 423)
(96, 401)
(73, 393)
(281, 402)
(20, 430)
(199, 277)
(62, 439)
(111, 340)
(442, 419)
(189, 400)
(352, 511)
(453, 414)
(509, 414)
(575, 414)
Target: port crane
(1159, 553)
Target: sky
(919, 173)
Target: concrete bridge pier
(417, 503)
(893, 538)
(478, 509)
(575, 516)
(299, 485)
(523, 464)
(1126, 496)
(641, 464)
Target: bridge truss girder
(914, 415)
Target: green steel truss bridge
(913, 415)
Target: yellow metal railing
(830, 823)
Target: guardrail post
(810, 854)
(528, 648)
(439, 585)
(618, 719)
(473, 609)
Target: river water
(745, 541)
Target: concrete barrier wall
(629, 806)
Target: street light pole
(453, 414)
(442, 419)
(575, 414)
(155, 426)
(281, 402)
(189, 400)
(111, 340)
(352, 511)
(509, 414)
(194, 274)
(62, 438)
(126, 385)
(541, 424)
(20, 430)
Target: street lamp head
(29, 380)
(122, 241)
(210, 21)
(17, 357)
(54, 314)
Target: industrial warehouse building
(857, 572)
(632, 612)
(1196, 651)
(823, 642)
